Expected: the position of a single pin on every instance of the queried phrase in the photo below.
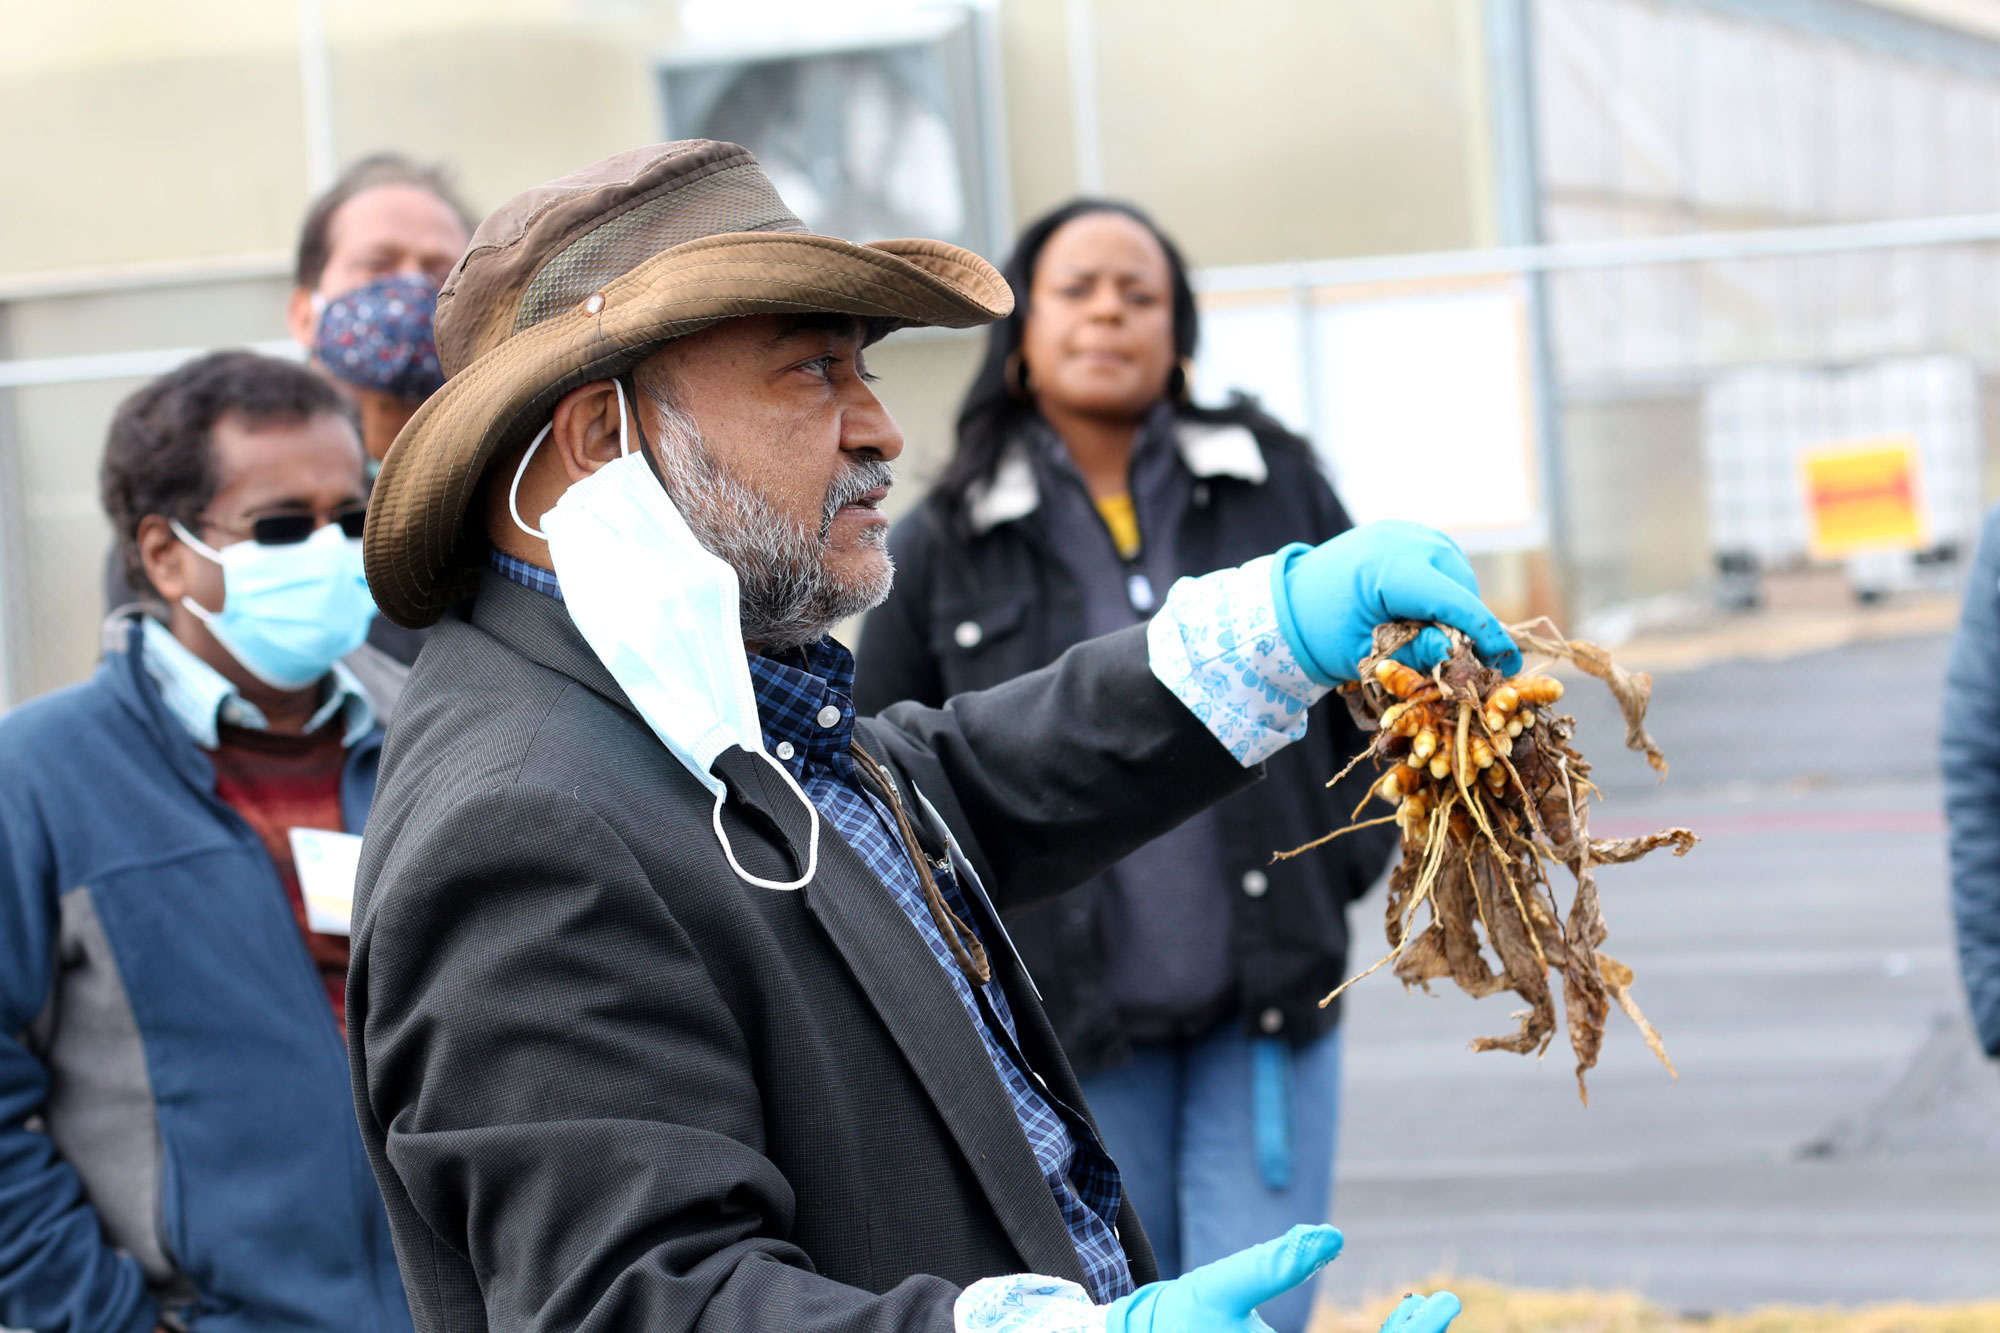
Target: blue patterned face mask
(380, 337)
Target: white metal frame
(1700, 248)
(1302, 279)
(1086, 133)
(28, 372)
(1692, 248)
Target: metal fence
(1451, 388)
(1745, 230)
(1422, 381)
(1733, 230)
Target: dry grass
(1490, 1308)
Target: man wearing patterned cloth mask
(372, 253)
(680, 997)
(373, 250)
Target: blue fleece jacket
(1972, 785)
(177, 1133)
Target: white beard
(788, 595)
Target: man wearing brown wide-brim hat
(679, 996)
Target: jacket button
(1256, 883)
(1200, 496)
(968, 634)
(1270, 1021)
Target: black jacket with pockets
(981, 601)
(606, 1084)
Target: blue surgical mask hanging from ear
(288, 612)
(660, 612)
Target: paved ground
(1834, 1136)
(1786, 631)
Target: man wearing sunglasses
(372, 250)
(177, 842)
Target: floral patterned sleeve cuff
(1217, 645)
(1026, 1303)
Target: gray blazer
(607, 1085)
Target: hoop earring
(1015, 374)
(1180, 382)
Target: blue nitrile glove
(1223, 1297)
(1423, 1314)
(1331, 597)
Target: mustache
(861, 477)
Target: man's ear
(165, 558)
(299, 317)
(585, 433)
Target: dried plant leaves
(1617, 851)
(1632, 689)
(1490, 795)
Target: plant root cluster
(1490, 795)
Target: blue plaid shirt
(793, 694)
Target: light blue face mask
(288, 612)
(660, 612)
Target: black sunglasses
(291, 529)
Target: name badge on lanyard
(327, 863)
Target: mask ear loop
(728, 852)
(194, 543)
(514, 491)
(812, 841)
(213, 556)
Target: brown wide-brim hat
(579, 280)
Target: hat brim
(420, 557)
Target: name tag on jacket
(327, 862)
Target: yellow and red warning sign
(1865, 495)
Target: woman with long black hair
(1185, 980)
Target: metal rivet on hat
(593, 303)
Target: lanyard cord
(964, 943)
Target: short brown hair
(315, 235)
(159, 459)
